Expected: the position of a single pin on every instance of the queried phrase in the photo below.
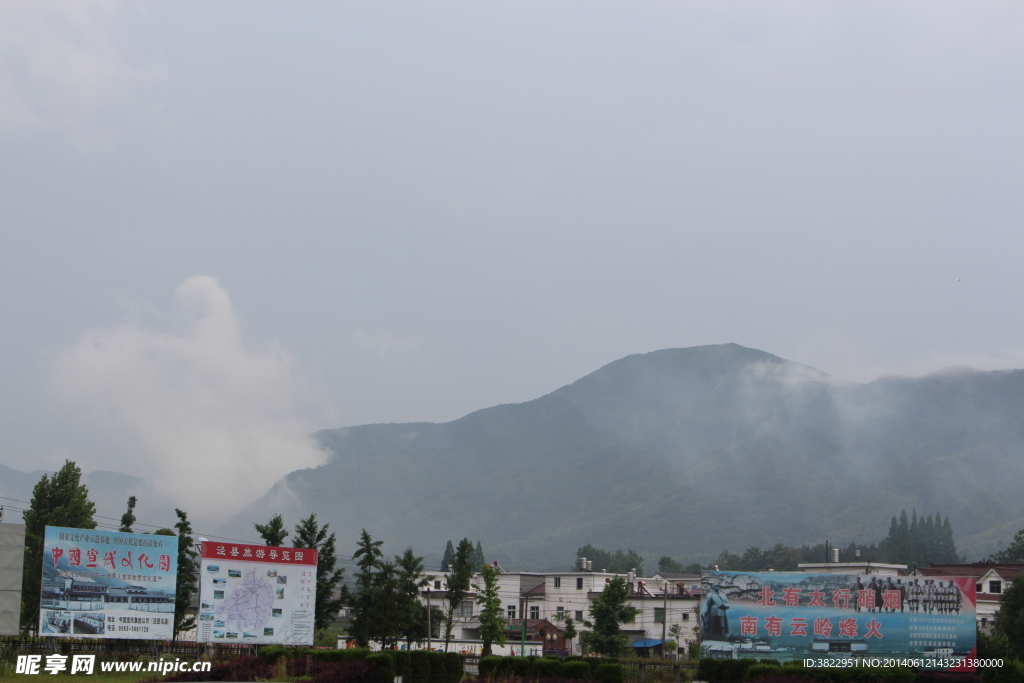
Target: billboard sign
(256, 594)
(796, 616)
(107, 584)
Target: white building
(543, 600)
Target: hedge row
(416, 666)
(564, 668)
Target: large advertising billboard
(107, 584)
(256, 594)
(796, 616)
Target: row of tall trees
(476, 558)
(912, 540)
(331, 593)
(919, 541)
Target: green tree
(1010, 618)
(608, 612)
(446, 558)
(128, 518)
(273, 532)
(188, 573)
(58, 500)
(1013, 553)
(727, 561)
(478, 555)
(457, 586)
(666, 565)
(570, 631)
(387, 608)
(619, 562)
(365, 615)
(410, 581)
(492, 618)
(309, 534)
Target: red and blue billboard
(920, 621)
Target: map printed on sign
(256, 594)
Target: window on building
(560, 610)
(465, 610)
(437, 585)
(558, 582)
(579, 583)
(510, 611)
(995, 586)
(978, 588)
(659, 615)
(579, 615)
(534, 611)
(686, 616)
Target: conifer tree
(410, 581)
(188, 570)
(273, 532)
(457, 586)
(364, 626)
(128, 518)
(60, 500)
(309, 534)
(446, 559)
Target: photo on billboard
(256, 594)
(790, 616)
(107, 584)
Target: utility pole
(430, 629)
(664, 617)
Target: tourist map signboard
(256, 594)
(863, 618)
(107, 584)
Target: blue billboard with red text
(864, 618)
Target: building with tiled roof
(991, 579)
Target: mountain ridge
(721, 438)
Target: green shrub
(346, 655)
(384, 662)
(521, 666)
(438, 667)
(402, 665)
(708, 669)
(272, 653)
(1011, 671)
(762, 669)
(609, 672)
(733, 670)
(489, 666)
(454, 667)
(547, 667)
(575, 670)
(419, 665)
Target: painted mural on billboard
(107, 584)
(797, 616)
(256, 594)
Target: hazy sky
(225, 225)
